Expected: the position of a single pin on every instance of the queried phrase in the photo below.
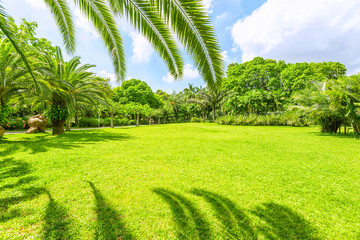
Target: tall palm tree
(157, 20)
(64, 86)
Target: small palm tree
(64, 86)
(156, 20)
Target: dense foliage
(257, 92)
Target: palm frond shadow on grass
(18, 170)
(56, 221)
(274, 221)
(189, 221)
(281, 222)
(236, 224)
(110, 224)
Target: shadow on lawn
(24, 184)
(42, 142)
(110, 224)
(190, 222)
(56, 221)
(235, 223)
(275, 221)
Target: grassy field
(184, 181)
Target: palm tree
(157, 20)
(65, 85)
(13, 76)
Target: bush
(123, 122)
(106, 122)
(288, 119)
(88, 122)
(196, 120)
(17, 123)
(132, 122)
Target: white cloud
(208, 5)
(82, 22)
(111, 76)
(221, 16)
(190, 73)
(142, 50)
(302, 30)
(36, 3)
(225, 55)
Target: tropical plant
(13, 77)
(63, 87)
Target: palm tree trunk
(68, 124)
(76, 119)
(137, 120)
(213, 114)
(58, 127)
(112, 120)
(159, 121)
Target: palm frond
(64, 20)
(193, 28)
(98, 12)
(146, 19)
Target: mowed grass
(182, 181)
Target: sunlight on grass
(182, 181)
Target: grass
(180, 181)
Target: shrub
(88, 122)
(132, 122)
(106, 122)
(288, 119)
(196, 120)
(17, 123)
(123, 122)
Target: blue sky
(290, 30)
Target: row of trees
(65, 91)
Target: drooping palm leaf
(98, 12)
(64, 20)
(193, 28)
(146, 19)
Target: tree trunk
(213, 114)
(159, 121)
(68, 124)
(99, 118)
(57, 127)
(112, 120)
(137, 120)
(149, 120)
(204, 115)
(76, 119)
(345, 129)
(164, 119)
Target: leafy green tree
(136, 91)
(13, 77)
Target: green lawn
(183, 181)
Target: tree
(136, 91)
(13, 77)
(63, 87)
(156, 20)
